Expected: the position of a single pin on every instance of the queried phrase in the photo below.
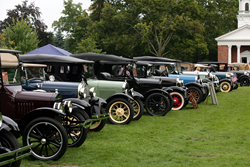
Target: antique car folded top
(172, 68)
(114, 68)
(44, 118)
(70, 75)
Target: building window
(247, 7)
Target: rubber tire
(228, 84)
(83, 113)
(83, 132)
(206, 94)
(130, 111)
(8, 140)
(180, 96)
(242, 80)
(138, 114)
(171, 102)
(198, 91)
(165, 98)
(100, 124)
(61, 130)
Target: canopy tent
(50, 49)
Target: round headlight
(68, 107)
(58, 106)
(125, 85)
(228, 75)
(82, 92)
(132, 91)
(126, 91)
(196, 78)
(51, 78)
(92, 92)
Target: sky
(50, 9)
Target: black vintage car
(114, 68)
(11, 152)
(121, 104)
(243, 76)
(44, 119)
(193, 83)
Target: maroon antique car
(44, 119)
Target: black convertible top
(99, 57)
(152, 58)
(47, 58)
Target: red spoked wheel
(178, 100)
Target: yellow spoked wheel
(225, 87)
(138, 108)
(76, 133)
(120, 111)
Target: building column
(238, 53)
(229, 54)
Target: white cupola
(244, 13)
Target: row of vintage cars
(53, 101)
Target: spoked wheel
(76, 133)
(120, 111)
(244, 82)
(178, 100)
(196, 92)
(157, 104)
(8, 142)
(98, 125)
(49, 138)
(225, 86)
(138, 108)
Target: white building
(235, 45)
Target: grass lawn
(212, 135)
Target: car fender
(9, 124)
(227, 80)
(137, 94)
(96, 105)
(149, 92)
(79, 102)
(179, 89)
(243, 76)
(119, 95)
(39, 112)
(194, 84)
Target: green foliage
(25, 40)
(210, 136)
(88, 45)
(59, 39)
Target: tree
(219, 18)
(69, 22)
(23, 37)
(32, 12)
(88, 45)
(59, 39)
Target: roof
(50, 49)
(9, 51)
(152, 58)
(8, 60)
(99, 57)
(47, 58)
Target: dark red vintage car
(44, 119)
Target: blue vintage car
(192, 82)
(227, 80)
(120, 103)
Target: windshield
(11, 75)
(34, 72)
(89, 70)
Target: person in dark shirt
(211, 68)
